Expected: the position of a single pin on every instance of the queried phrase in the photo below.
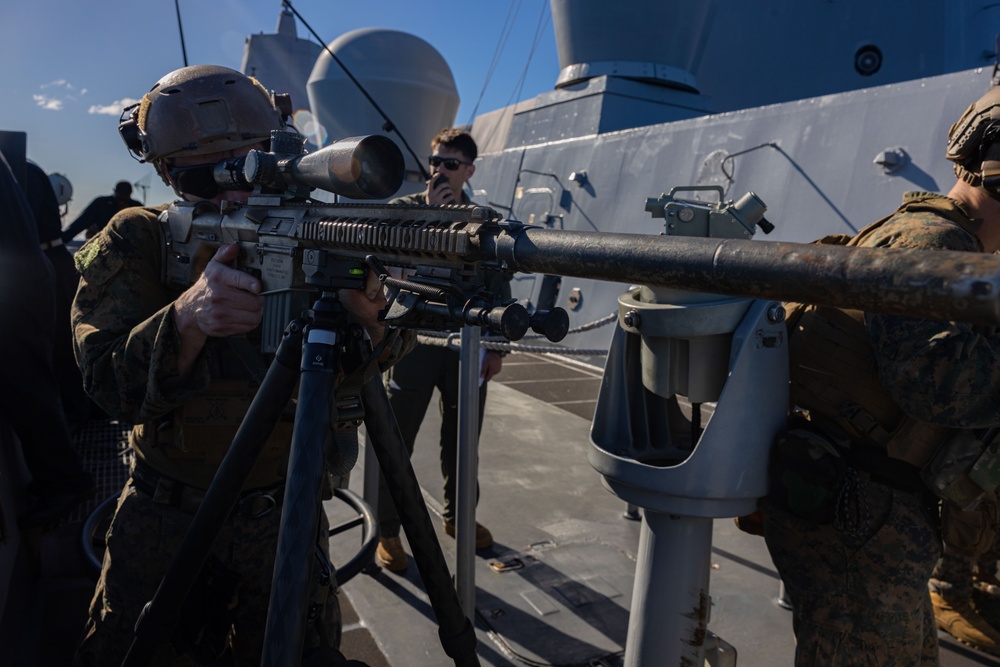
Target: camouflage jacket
(945, 373)
(127, 344)
(125, 333)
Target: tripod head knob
(510, 321)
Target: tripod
(310, 352)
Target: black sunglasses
(450, 163)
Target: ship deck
(567, 549)
(547, 508)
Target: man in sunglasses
(412, 381)
(171, 361)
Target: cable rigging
(505, 32)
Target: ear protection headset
(974, 143)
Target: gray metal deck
(546, 506)
(566, 605)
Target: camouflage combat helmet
(197, 110)
(974, 143)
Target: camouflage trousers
(141, 541)
(861, 600)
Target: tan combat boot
(963, 621)
(390, 554)
(484, 538)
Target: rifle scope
(367, 167)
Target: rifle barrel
(933, 284)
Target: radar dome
(406, 77)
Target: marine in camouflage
(410, 385)
(945, 372)
(127, 346)
(861, 597)
(853, 605)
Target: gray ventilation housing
(636, 39)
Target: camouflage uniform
(410, 385)
(862, 599)
(127, 345)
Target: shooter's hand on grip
(224, 301)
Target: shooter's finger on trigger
(226, 253)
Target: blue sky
(71, 65)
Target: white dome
(406, 77)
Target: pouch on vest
(965, 470)
(806, 473)
(970, 532)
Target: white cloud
(57, 94)
(113, 109)
(60, 92)
(50, 103)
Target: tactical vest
(834, 376)
(834, 373)
(189, 443)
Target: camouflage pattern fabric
(125, 333)
(141, 541)
(943, 372)
(859, 601)
(127, 344)
(864, 600)
(956, 569)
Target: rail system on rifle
(298, 246)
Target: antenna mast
(180, 29)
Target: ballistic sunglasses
(450, 163)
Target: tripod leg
(157, 622)
(458, 638)
(285, 631)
